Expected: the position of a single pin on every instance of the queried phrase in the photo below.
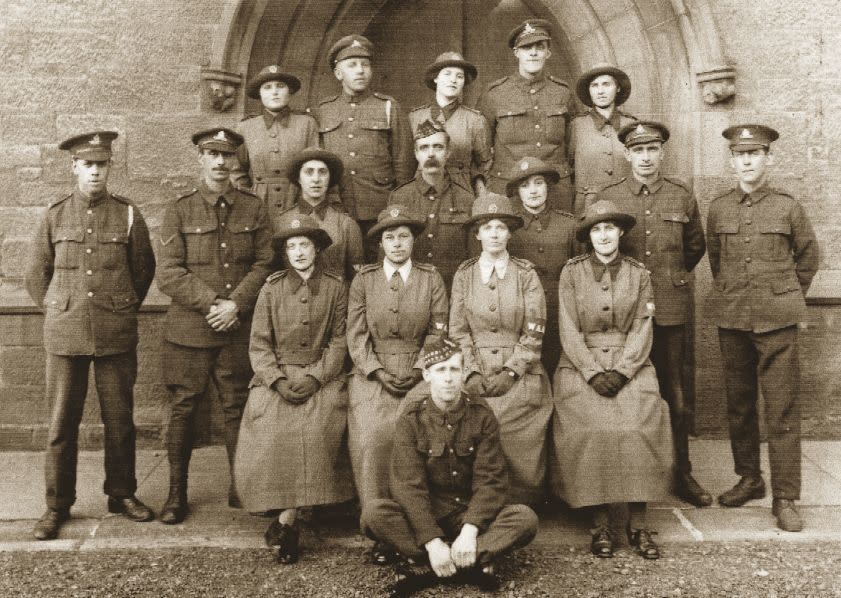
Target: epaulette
(633, 262)
(523, 263)
(122, 199)
(473, 110)
(247, 116)
(328, 100)
(415, 404)
(247, 192)
(776, 191)
(467, 263)
(192, 191)
(382, 96)
(612, 184)
(333, 275)
(676, 181)
(60, 200)
(577, 259)
(426, 267)
(562, 213)
(275, 276)
(479, 402)
(558, 81)
(498, 82)
(725, 194)
(409, 182)
(424, 107)
(365, 268)
(459, 182)
(626, 115)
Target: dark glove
(474, 385)
(601, 383)
(288, 393)
(389, 382)
(617, 379)
(306, 387)
(407, 383)
(499, 383)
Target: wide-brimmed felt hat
(750, 136)
(527, 167)
(529, 32)
(602, 211)
(582, 86)
(448, 59)
(333, 162)
(299, 225)
(492, 206)
(393, 216)
(271, 73)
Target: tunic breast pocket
(512, 127)
(556, 125)
(670, 237)
(727, 232)
(774, 240)
(432, 451)
(329, 132)
(199, 241)
(113, 250)
(453, 217)
(373, 137)
(241, 242)
(68, 247)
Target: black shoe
(688, 489)
(383, 554)
(285, 540)
(746, 489)
(175, 508)
(643, 542)
(131, 508)
(484, 578)
(48, 525)
(602, 544)
(788, 519)
(233, 498)
(409, 585)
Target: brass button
(90, 211)
(540, 250)
(748, 260)
(90, 230)
(432, 215)
(352, 154)
(429, 254)
(747, 239)
(605, 287)
(648, 232)
(350, 135)
(492, 286)
(305, 322)
(648, 212)
(532, 91)
(538, 144)
(353, 172)
(749, 204)
(88, 250)
(609, 171)
(494, 329)
(648, 252)
(303, 299)
(89, 272)
(748, 221)
(350, 119)
(223, 245)
(226, 265)
(90, 293)
(492, 308)
(430, 235)
(228, 286)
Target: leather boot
(688, 489)
(788, 519)
(747, 488)
(175, 508)
(50, 522)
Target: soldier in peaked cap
(395, 307)
(443, 201)
(215, 252)
(470, 137)
(763, 256)
(368, 131)
(529, 113)
(669, 240)
(90, 267)
(272, 137)
(596, 153)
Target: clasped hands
(223, 316)
(445, 560)
(494, 385)
(398, 385)
(296, 392)
(609, 383)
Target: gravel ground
(739, 570)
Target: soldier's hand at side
(388, 382)
(223, 316)
(463, 550)
(475, 385)
(440, 558)
(306, 387)
(602, 384)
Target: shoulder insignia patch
(426, 267)
(633, 262)
(333, 275)
(366, 268)
(275, 276)
(467, 263)
(577, 259)
(498, 82)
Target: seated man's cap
(219, 139)
(427, 128)
(749, 137)
(438, 349)
(529, 32)
(350, 46)
(643, 131)
(271, 73)
(94, 146)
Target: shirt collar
(320, 209)
(755, 195)
(529, 217)
(356, 97)
(442, 418)
(212, 197)
(637, 186)
(313, 282)
(427, 189)
(443, 113)
(281, 117)
(487, 266)
(404, 269)
(600, 121)
(599, 267)
(527, 84)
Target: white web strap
(130, 219)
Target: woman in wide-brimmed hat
(597, 154)
(272, 137)
(612, 436)
(291, 451)
(498, 316)
(470, 144)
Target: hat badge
(356, 44)
(273, 69)
(746, 134)
(601, 210)
(524, 165)
(640, 129)
(295, 224)
(95, 140)
(528, 29)
(493, 208)
(395, 213)
(220, 136)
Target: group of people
(410, 284)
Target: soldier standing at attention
(271, 138)
(368, 131)
(669, 240)
(471, 152)
(215, 250)
(529, 113)
(595, 150)
(90, 268)
(443, 202)
(763, 256)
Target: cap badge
(394, 213)
(295, 224)
(524, 165)
(220, 136)
(528, 29)
(746, 134)
(356, 44)
(601, 210)
(640, 129)
(273, 69)
(95, 140)
(493, 209)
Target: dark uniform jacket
(370, 134)
(269, 142)
(449, 463)
(668, 238)
(212, 246)
(763, 256)
(595, 150)
(444, 242)
(90, 268)
(527, 118)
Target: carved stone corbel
(718, 84)
(220, 88)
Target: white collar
(487, 265)
(404, 270)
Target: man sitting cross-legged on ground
(448, 482)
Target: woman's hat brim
(333, 162)
(379, 228)
(582, 86)
(470, 72)
(549, 172)
(252, 89)
(513, 221)
(623, 220)
(319, 236)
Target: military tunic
(471, 151)
(547, 240)
(270, 141)
(597, 155)
(500, 325)
(293, 455)
(388, 323)
(763, 256)
(444, 242)
(90, 268)
(615, 449)
(529, 118)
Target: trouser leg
(67, 385)
(779, 376)
(231, 374)
(514, 527)
(668, 355)
(385, 521)
(740, 363)
(115, 376)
